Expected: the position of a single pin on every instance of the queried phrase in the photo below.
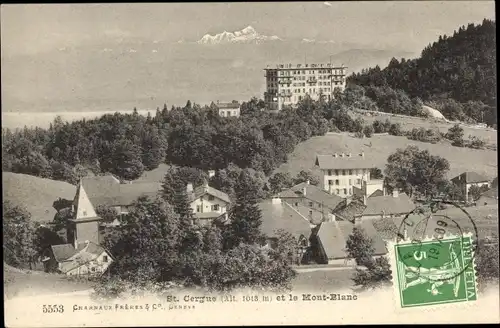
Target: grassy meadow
(408, 123)
(378, 148)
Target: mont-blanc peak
(246, 35)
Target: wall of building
(205, 204)
(340, 182)
(229, 112)
(343, 262)
(87, 231)
(288, 85)
(373, 186)
(99, 265)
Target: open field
(323, 281)
(35, 283)
(485, 219)
(35, 194)
(408, 123)
(378, 148)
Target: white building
(342, 172)
(231, 109)
(287, 84)
(208, 203)
(468, 179)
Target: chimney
(362, 154)
(205, 185)
(308, 182)
(342, 155)
(335, 155)
(189, 188)
(364, 199)
(304, 191)
(211, 173)
(349, 155)
(348, 201)
(395, 193)
(217, 102)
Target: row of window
(337, 182)
(214, 208)
(304, 84)
(321, 71)
(347, 172)
(228, 114)
(346, 191)
(309, 90)
(274, 86)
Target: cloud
(326, 3)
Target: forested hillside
(456, 74)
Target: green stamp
(435, 271)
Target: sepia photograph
(249, 163)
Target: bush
(395, 129)
(421, 134)
(368, 131)
(476, 143)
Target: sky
(30, 29)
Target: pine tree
(359, 247)
(245, 216)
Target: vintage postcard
(249, 163)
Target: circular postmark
(437, 241)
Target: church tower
(84, 226)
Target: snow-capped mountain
(246, 35)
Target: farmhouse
(278, 215)
(87, 258)
(329, 239)
(341, 172)
(318, 201)
(469, 179)
(207, 203)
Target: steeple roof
(83, 207)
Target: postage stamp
(434, 271)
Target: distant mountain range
(137, 72)
(246, 35)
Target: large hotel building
(287, 84)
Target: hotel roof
(335, 161)
(228, 105)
